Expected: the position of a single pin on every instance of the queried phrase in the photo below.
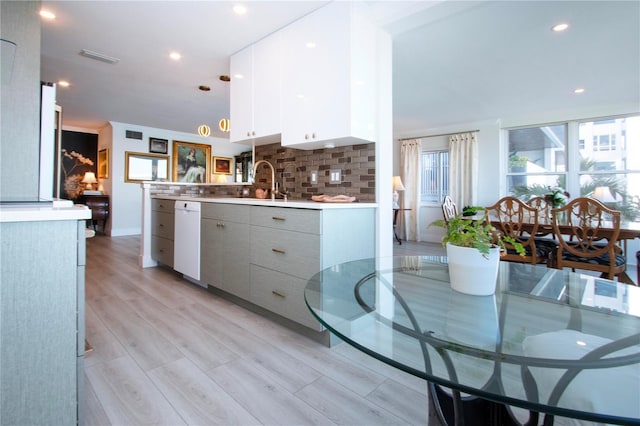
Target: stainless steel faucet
(284, 192)
(273, 176)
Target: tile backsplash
(294, 167)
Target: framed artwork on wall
(158, 146)
(222, 165)
(78, 155)
(103, 163)
(191, 162)
(142, 167)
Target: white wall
(126, 198)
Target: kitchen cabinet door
(267, 80)
(330, 64)
(241, 95)
(225, 248)
(162, 230)
(255, 92)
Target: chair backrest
(544, 213)
(592, 227)
(543, 207)
(514, 218)
(449, 208)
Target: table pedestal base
(447, 407)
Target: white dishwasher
(186, 239)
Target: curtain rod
(442, 134)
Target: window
(537, 159)
(612, 162)
(435, 176)
(601, 153)
(604, 143)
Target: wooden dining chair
(587, 234)
(512, 217)
(544, 209)
(449, 208)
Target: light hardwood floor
(168, 352)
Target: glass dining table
(548, 343)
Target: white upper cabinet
(328, 78)
(255, 92)
(309, 85)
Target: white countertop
(43, 212)
(298, 204)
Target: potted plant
(473, 251)
(556, 196)
(471, 210)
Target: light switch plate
(314, 176)
(335, 176)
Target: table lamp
(89, 178)
(397, 186)
(603, 194)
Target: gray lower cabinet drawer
(285, 218)
(282, 294)
(161, 205)
(293, 253)
(162, 224)
(162, 250)
(228, 212)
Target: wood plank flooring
(168, 352)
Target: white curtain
(463, 169)
(410, 154)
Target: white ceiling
(454, 61)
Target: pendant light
(224, 124)
(203, 129)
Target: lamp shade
(397, 184)
(603, 193)
(89, 178)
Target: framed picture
(141, 167)
(103, 163)
(222, 165)
(191, 162)
(159, 146)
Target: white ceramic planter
(471, 272)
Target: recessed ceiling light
(175, 56)
(310, 44)
(238, 76)
(47, 15)
(240, 9)
(63, 83)
(560, 27)
(579, 90)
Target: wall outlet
(335, 176)
(314, 176)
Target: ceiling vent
(99, 56)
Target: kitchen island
(42, 312)
(261, 252)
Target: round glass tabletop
(549, 340)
